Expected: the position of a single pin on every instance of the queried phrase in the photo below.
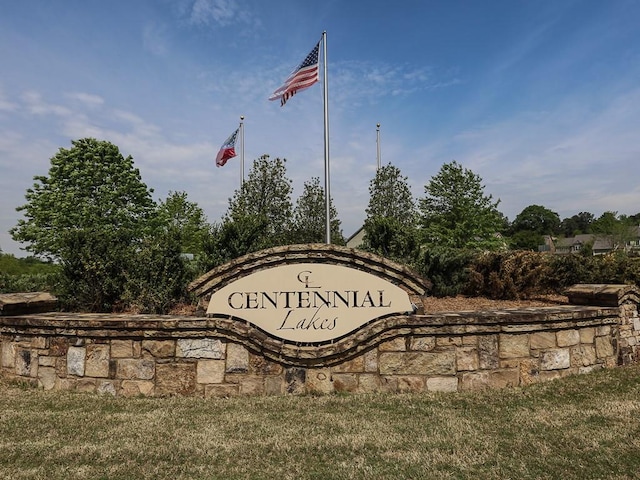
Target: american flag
(227, 150)
(305, 75)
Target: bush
(159, 278)
(567, 270)
(27, 274)
(632, 270)
(35, 282)
(387, 236)
(447, 268)
(94, 270)
(522, 274)
(508, 275)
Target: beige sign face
(309, 302)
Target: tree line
(115, 248)
(456, 213)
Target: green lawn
(577, 428)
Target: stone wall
(168, 355)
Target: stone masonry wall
(146, 355)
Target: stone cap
(603, 295)
(25, 303)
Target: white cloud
(356, 81)
(573, 158)
(37, 106)
(86, 99)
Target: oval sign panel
(309, 302)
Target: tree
(456, 213)
(90, 213)
(606, 224)
(185, 219)
(577, 224)
(391, 197)
(264, 199)
(90, 187)
(525, 240)
(531, 224)
(633, 220)
(232, 239)
(538, 219)
(390, 227)
(609, 225)
(309, 214)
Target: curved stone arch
(393, 272)
(326, 353)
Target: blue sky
(539, 98)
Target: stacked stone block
(124, 355)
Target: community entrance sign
(309, 294)
(309, 302)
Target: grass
(582, 427)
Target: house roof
(356, 239)
(599, 242)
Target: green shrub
(389, 237)
(159, 277)
(447, 268)
(94, 270)
(35, 282)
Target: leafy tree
(391, 197)
(608, 224)
(232, 239)
(89, 187)
(391, 223)
(634, 220)
(531, 224)
(536, 218)
(185, 219)
(90, 213)
(525, 240)
(309, 225)
(577, 224)
(264, 198)
(456, 213)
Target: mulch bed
(462, 303)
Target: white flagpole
(327, 190)
(241, 151)
(378, 145)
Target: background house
(600, 244)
